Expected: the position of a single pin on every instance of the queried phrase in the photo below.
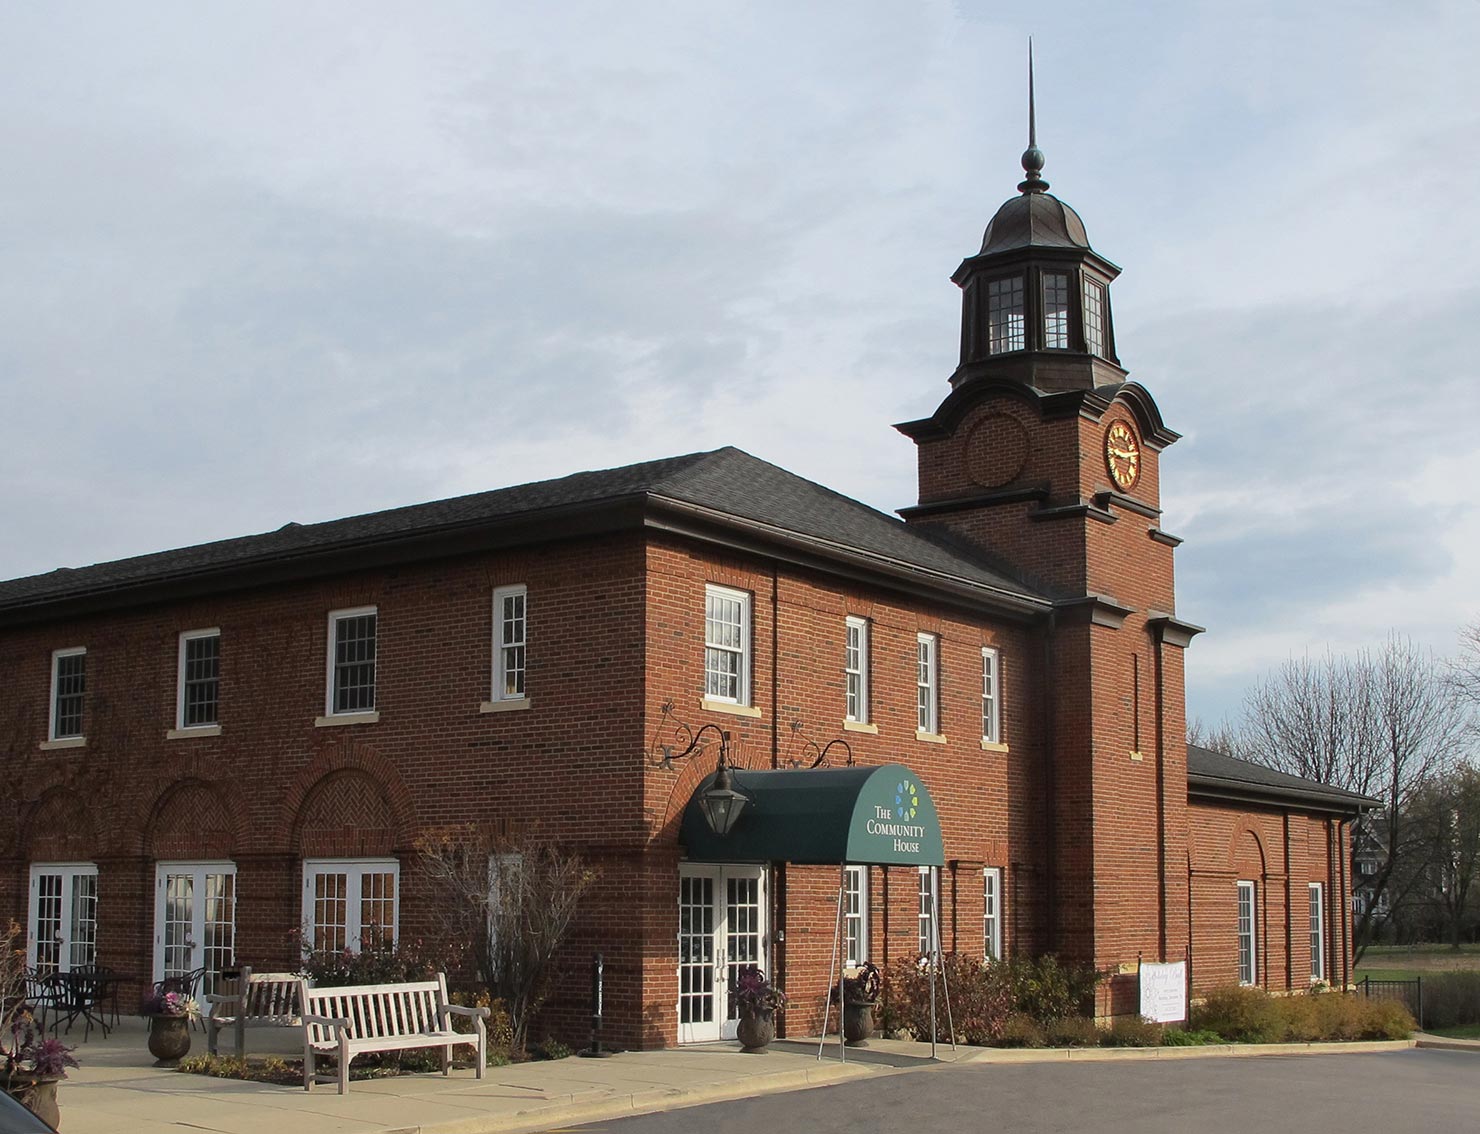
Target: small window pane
(855, 670)
(992, 912)
(70, 685)
(726, 645)
(200, 680)
(925, 690)
(510, 631)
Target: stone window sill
(993, 746)
(64, 742)
(198, 730)
(510, 705)
(861, 726)
(336, 719)
(930, 737)
(729, 707)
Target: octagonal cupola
(1036, 298)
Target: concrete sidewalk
(117, 1090)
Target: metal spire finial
(1032, 156)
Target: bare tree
(1465, 669)
(1446, 816)
(515, 902)
(1384, 723)
(1222, 737)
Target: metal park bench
(348, 1021)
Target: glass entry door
(194, 920)
(721, 928)
(64, 917)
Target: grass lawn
(1388, 974)
(1404, 962)
(1464, 1031)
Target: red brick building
(214, 746)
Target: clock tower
(1045, 458)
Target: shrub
(1451, 999)
(980, 999)
(1022, 1031)
(1177, 1037)
(1240, 1015)
(1047, 989)
(1072, 1031)
(1132, 1031)
(378, 962)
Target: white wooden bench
(348, 1021)
(261, 1000)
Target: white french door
(194, 920)
(721, 928)
(63, 930)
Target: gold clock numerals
(1123, 455)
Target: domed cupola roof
(1034, 219)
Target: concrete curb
(623, 1104)
(1443, 1043)
(1201, 1051)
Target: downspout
(1050, 828)
(1289, 911)
(1161, 796)
(775, 663)
(1346, 904)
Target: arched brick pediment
(189, 820)
(59, 828)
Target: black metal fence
(1406, 992)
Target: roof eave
(1226, 790)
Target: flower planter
(39, 1096)
(169, 1038)
(756, 1030)
(858, 1022)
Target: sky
(265, 262)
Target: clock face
(1123, 455)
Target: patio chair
(186, 984)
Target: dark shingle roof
(1225, 774)
(726, 481)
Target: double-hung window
(927, 936)
(198, 688)
(726, 645)
(992, 912)
(507, 902)
(1317, 931)
(510, 612)
(927, 684)
(68, 692)
(1248, 947)
(1094, 318)
(855, 916)
(991, 696)
(352, 661)
(350, 903)
(855, 670)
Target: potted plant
(757, 1000)
(860, 994)
(33, 1066)
(169, 1016)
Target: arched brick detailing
(60, 828)
(348, 802)
(1246, 851)
(189, 820)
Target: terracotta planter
(858, 1022)
(39, 1096)
(169, 1038)
(756, 1030)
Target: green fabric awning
(880, 816)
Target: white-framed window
(350, 903)
(1094, 318)
(855, 915)
(855, 669)
(1005, 315)
(505, 903)
(726, 645)
(198, 685)
(929, 899)
(510, 611)
(991, 695)
(62, 929)
(1056, 310)
(351, 661)
(68, 692)
(1317, 931)
(927, 685)
(1248, 932)
(992, 912)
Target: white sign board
(1164, 992)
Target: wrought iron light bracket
(815, 755)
